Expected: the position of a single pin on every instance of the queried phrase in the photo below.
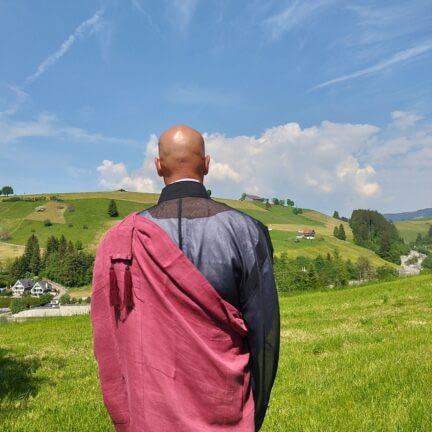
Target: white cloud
(328, 166)
(113, 176)
(86, 28)
(399, 57)
(404, 119)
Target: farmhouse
(253, 198)
(40, 288)
(308, 234)
(22, 285)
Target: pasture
(84, 217)
(351, 360)
(409, 229)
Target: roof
(254, 197)
(43, 284)
(26, 283)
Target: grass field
(89, 221)
(409, 229)
(351, 360)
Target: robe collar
(183, 189)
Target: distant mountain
(418, 214)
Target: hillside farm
(84, 217)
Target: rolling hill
(417, 214)
(84, 217)
(409, 229)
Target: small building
(40, 288)
(307, 234)
(253, 198)
(22, 285)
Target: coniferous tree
(341, 234)
(336, 232)
(112, 209)
(336, 214)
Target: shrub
(85, 227)
(65, 299)
(47, 223)
(17, 305)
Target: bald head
(181, 154)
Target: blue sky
(326, 102)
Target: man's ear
(206, 165)
(158, 167)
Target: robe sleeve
(260, 309)
(106, 347)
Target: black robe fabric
(234, 252)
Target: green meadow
(89, 220)
(357, 359)
(409, 229)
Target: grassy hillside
(83, 216)
(410, 228)
(351, 360)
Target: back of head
(181, 154)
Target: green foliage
(209, 192)
(303, 274)
(243, 196)
(47, 223)
(7, 190)
(275, 201)
(385, 273)
(336, 214)
(65, 299)
(427, 263)
(371, 230)
(290, 202)
(17, 305)
(297, 211)
(341, 233)
(112, 209)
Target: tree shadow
(17, 380)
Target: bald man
(184, 307)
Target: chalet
(253, 198)
(308, 234)
(40, 288)
(22, 285)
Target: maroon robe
(177, 359)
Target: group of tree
(336, 216)
(6, 190)
(424, 242)
(62, 261)
(302, 273)
(280, 201)
(339, 232)
(371, 230)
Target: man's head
(181, 155)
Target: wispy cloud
(292, 16)
(399, 57)
(87, 27)
(18, 97)
(47, 126)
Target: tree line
(303, 273)
(62, 261)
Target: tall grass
(357, 359)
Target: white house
(41, 287)
(22, 285)
(308, 234)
